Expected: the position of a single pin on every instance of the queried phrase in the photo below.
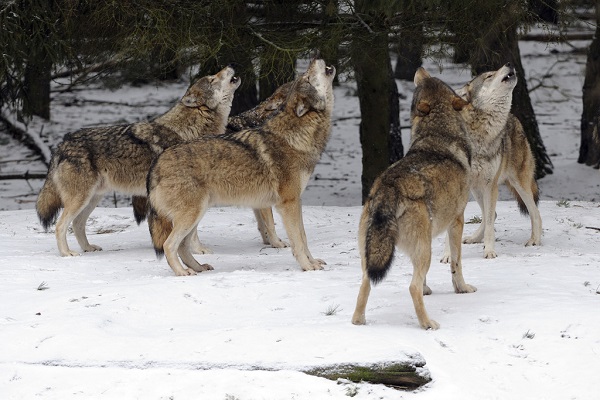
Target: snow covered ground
(119, 324)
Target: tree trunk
(372, 68)
(396, 148)
(497, 47)
(589, 150)
(409, 46)
(36, 86)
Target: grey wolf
(501, 154)
(92, 161)
(248, 119)
(260, 167)
(419, 197)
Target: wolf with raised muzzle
(93, 161)
(501, 154)
(419, 197)
(259, 168)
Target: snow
(119, 324)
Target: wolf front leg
(291, 214)
(490, 198)
(454, 237)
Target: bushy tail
(140, 208)
(160, 229)
(381, 233)
(534, 191)
(48, 203)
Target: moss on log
(398, 375)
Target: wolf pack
(463, 142)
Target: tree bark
(409, 46)
(36, 86)
(589, 150)
(371, 61)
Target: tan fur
(93, 161)
(419, 197)
(501, 154)
(258, 168)
(248, 119)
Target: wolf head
(213, 91)
(491, 90)
(433, 96)
(313, 90)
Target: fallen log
(406, 376)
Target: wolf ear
(193, 101)
(423, 108)
(189, 100)
(458, 103)
(421, 75)
(273, 106)
(301, 107)
(464, 92)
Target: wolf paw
(203, 267)
(429, 324)
(465, 288)
(426, 290)
(533, 242)
(445, 259)
(359, 319)
(199, 248)
(489, 254)
(92, 247)
(69, 253)
(471, 240)
(278, 243)
(185, 272)
(314, 265)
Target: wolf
(92, 161)
(248, 119)
(261, 167)
(419, 197)
(501, 154)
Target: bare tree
(589, 149)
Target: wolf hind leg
(421, 260)
(179, 241)
(528, 198)
(358, 318)
(80, 221)
(266, 227)
(196, 245)
(73, 206)
(185, 252)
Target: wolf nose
(508, 65)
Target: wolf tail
(48, 203)
(160, 228)
(140, 208)
(535, 191)
(380, 233)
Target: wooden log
(407, 376)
